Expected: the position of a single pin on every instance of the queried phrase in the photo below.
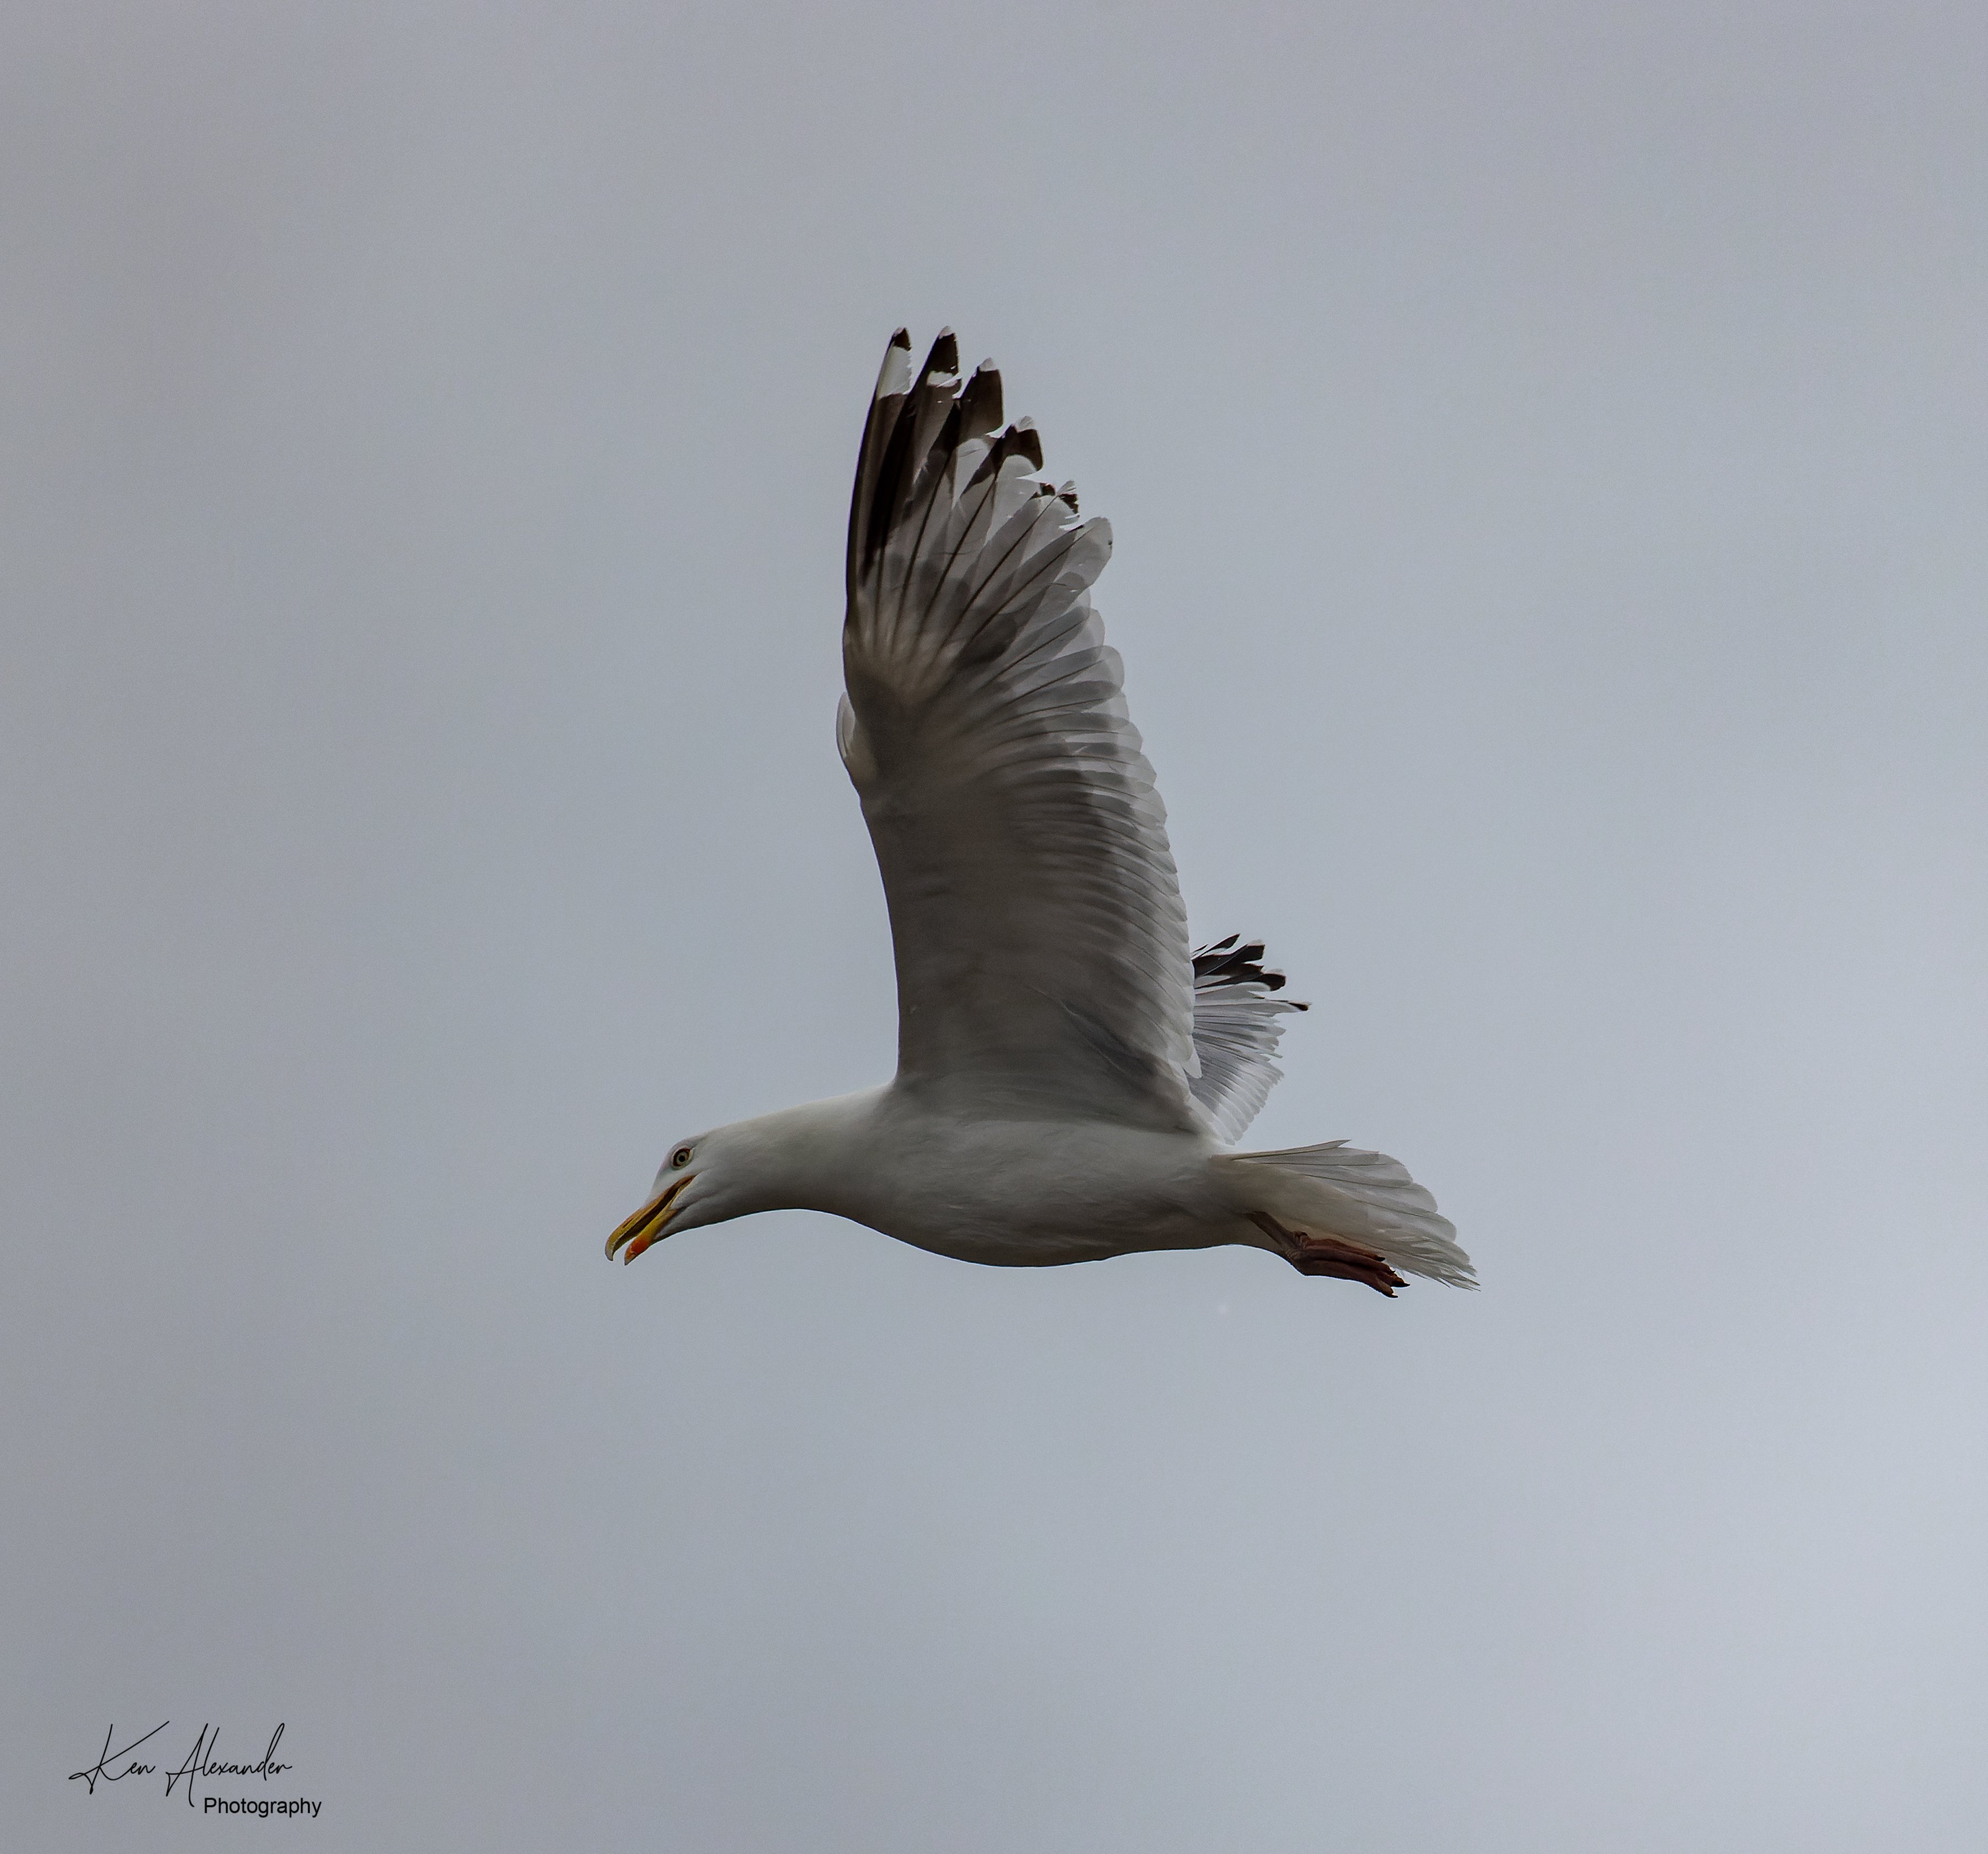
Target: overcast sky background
(1547, 448)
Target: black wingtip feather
(1017, 441)
(945, 356)
(980, 403)
(916, 427)
(1226, 964)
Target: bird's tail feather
(1363, 1198)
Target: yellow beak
(646, 1226)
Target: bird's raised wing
(1042, 947)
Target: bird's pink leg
(1331, 1255)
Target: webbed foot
(1331, 1255)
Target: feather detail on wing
(1236, 1026)
(1041, 945)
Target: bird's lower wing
(1042, 947)
(1238, 1022)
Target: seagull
(1072, 1077)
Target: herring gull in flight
(1071, 1077)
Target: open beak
(646, 1226)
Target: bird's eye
(681, 1157)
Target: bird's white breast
(1022, 1193)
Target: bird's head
(787, 1161)
(705, 1180)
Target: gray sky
(1546, 447)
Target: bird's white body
(1013, 1193)
(1070, 1075)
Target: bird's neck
(802, 1157)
